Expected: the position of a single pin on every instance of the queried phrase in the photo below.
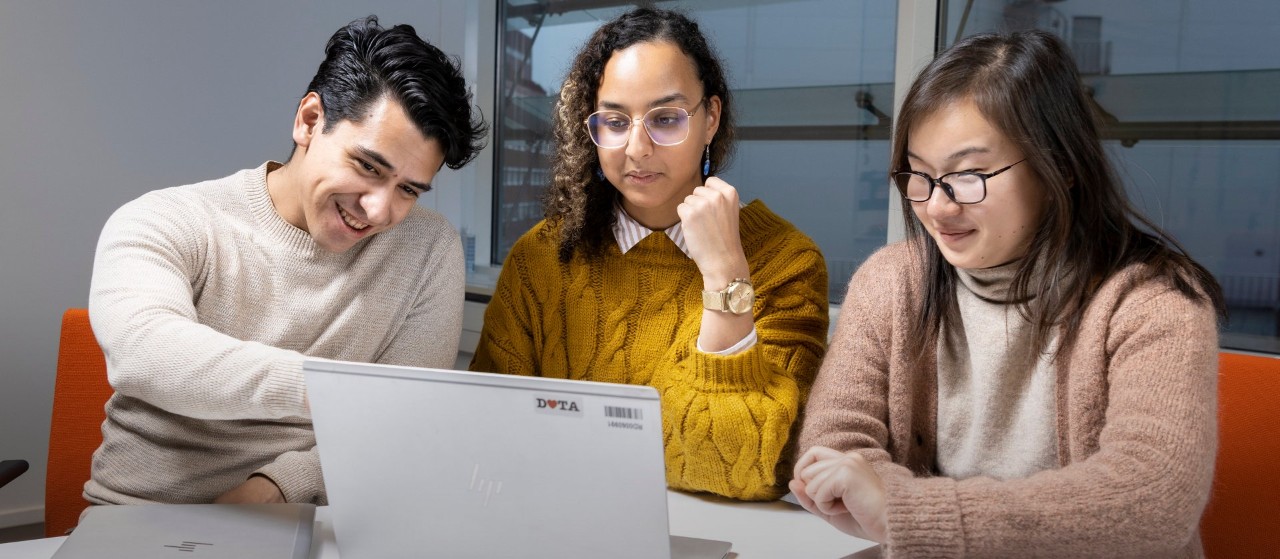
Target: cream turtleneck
(996, 395)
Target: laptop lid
(280, 531)
(437, 463)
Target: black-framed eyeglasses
(666, 126)
(964, 187)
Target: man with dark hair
(207, 297)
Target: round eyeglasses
(666, 126)
(964, 187)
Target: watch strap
(719, 300)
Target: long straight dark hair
(1027, 86)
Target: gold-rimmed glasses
(666, 126)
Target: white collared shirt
(629, 232)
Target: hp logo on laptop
(188, 546)
(489, 487)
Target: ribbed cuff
(284, 390)
(746, 371)
(924, 517)
(298, 476)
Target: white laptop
(436, 463)
(281, 531)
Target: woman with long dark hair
(1033, 371)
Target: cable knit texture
(205, 302)
(1136, 426)
(727, 420)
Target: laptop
(280, 531)
(438, 463)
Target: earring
(599, 173)
(706, 162)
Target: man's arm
(150, 255)
(427, 338)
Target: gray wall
(103, 101)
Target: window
(1193, 124)
(813, 81)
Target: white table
(757, 530)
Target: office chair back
(1244, 510)
(79, 395)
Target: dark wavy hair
(1027, 85)
(578, 199)
(364, 62)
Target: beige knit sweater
(205, 301)
(1136, 427)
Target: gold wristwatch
(737, 298)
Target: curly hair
(578, 199)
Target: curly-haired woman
(648, 269)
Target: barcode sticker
(623, 413)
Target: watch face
(741, 296)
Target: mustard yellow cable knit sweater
(634, 318)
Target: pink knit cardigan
(1136, 423)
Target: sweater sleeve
(149, 257)
(1142, 492)
(849, 406)
(426, 339)
(298, 476)
(728, 420)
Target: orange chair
(1243, 515)
(79, 396)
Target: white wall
(102, 101)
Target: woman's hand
(843, 490)
(709, 218)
